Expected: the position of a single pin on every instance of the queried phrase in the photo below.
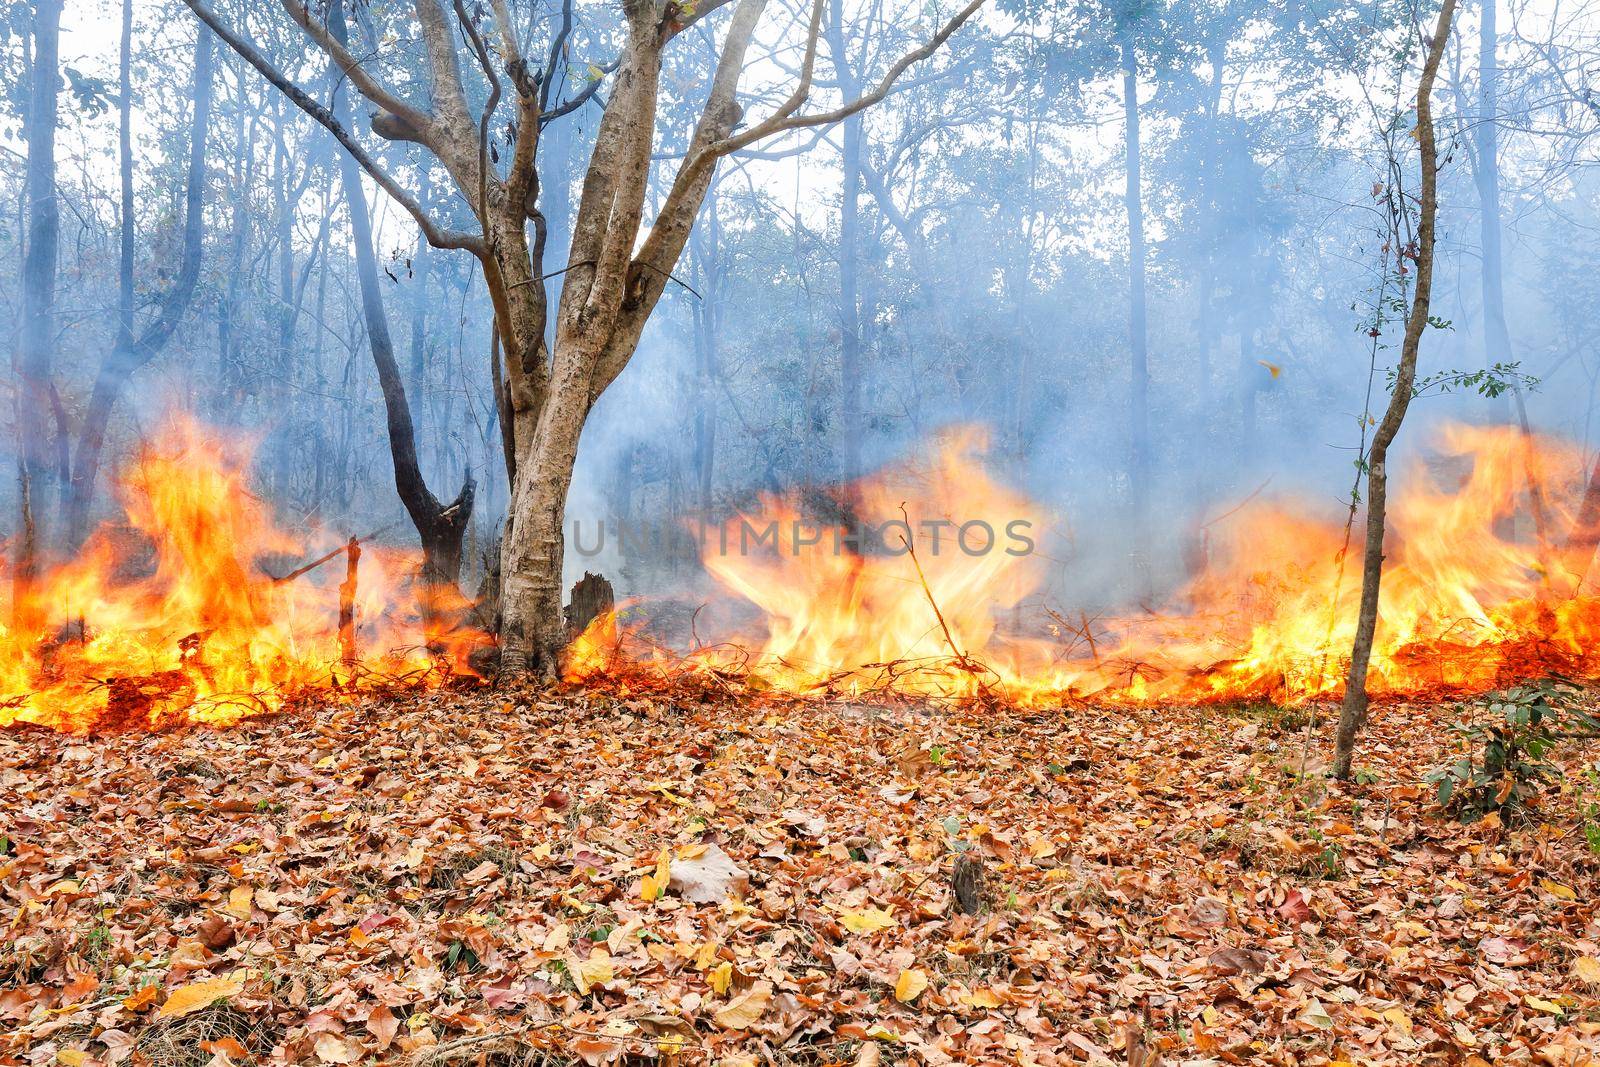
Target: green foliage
(1489, 382)
(1523, 724)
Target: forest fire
(1476, 594)
(933, 591)
(175, 617)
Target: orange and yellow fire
(173, 617)
(1475, 594)
(936, 590)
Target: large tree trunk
(1353, 712)
(131, 352)
(440, 527)
(36, 349)
(531, 632)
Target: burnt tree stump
(591, 597)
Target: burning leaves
(173, 620)
(1474, 596)
(391, 881)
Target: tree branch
(437, 235)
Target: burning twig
(961, 657)
(320, 560)
(347, 603)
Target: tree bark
(1353, 712)
(131, 352)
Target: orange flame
(105, 641)
(1471, 598)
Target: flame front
(1479, 590)
(172, 618)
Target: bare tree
(1353, 713)
(614, 272)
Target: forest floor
(565, 878)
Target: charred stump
(591, 597)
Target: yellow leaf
(720, 977)
(197, 995)
(596, 970)
(559, 937)
(1539, 1004)
(866, 921)
(653, 885)
(1556, 889)
(981, 998)
(1272, 368)
(240, 899)
(743, 1010)
(910, 985)
(1587, 968)
(331, 1048)
(705, 955)
(1398, 1018)
(71, 1057)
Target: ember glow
(174, 617)
(1473, 597)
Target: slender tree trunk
(421, 269)
(850, 317)
(707, 239)
(227, 307)
(1139, 372)
(125, 227)
(36, 352)
(440, 527)
(1485, 135)
(1353, 713)
(850, 427)
(130, 353)
(1211, 176)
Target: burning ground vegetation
(870, 817)
(194, 610)
(548, 877)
